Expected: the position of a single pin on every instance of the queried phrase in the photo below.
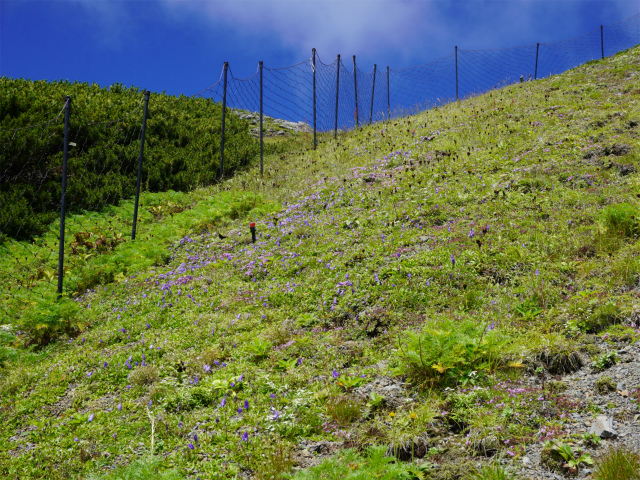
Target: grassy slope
(359, 255)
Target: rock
(296, 127)
(318, 448)
(603, 427)
(526, 461)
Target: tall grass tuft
(623, 219)
(493, 472)
(618, 463)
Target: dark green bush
(182, 148)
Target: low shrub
(49, 320)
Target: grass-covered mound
(182, 148)
(411, 275)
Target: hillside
(456, 289)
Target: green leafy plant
(604, 361)
(591, 439)
(447, 353)
(259, 349)
(349, 382)
(375, 400)
(528, 310)
(572, 459)
(286, 364)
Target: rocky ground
(610, 391)
(607, 401)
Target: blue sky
(179, 46)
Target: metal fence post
(373, 90)
(535, 75)
(261, 116)
(314, 97)
(355, 84)
(65, 156)
(388, 97)
(224, 112)
(456, 72)
(602, 41)
(335, 130)
(144, 127)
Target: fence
(330, 97)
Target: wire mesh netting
(28, 160)
(185, 138)
(422, 87)
(100, 172)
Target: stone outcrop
(273, 126)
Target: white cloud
(111, 22)
(330, 26)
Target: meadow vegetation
(406, 279)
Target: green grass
(493, 240)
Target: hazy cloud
(331, 26)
